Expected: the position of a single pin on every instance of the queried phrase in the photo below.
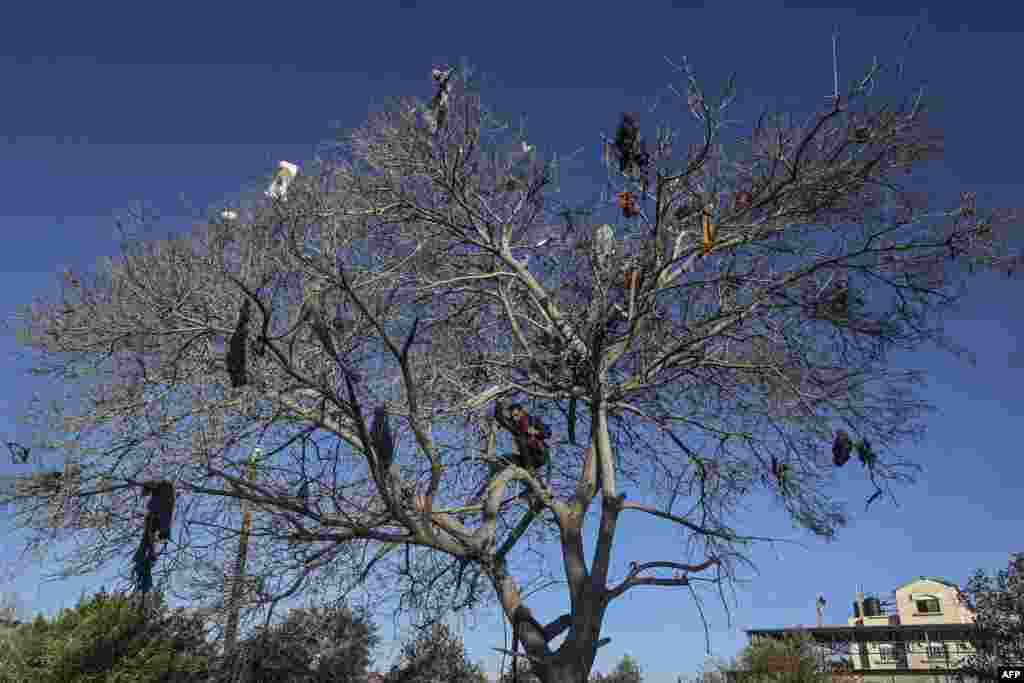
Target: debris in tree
(865, 453)
(709, 229)
(627, 138)
(161, 507)
(279, 185)
(780, 470)
(841, 448)
(867, 456)
(383, 441)
(142, 566)
(628, 205)
(631, 278)
(159, 516)
(633, 157)
(529, 433)
(439, 106)
(235, 359)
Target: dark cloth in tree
(236, 360)
(627, 139)
(383, 442)
(142, 565)
(841, 448)
(159, 515)
(161, 508)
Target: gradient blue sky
(106, 105)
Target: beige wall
(953, 611)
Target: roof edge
(936, 579)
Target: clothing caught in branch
(159, 515)
(236, 360)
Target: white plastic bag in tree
(279, 185)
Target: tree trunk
(560, 672)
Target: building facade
(919, 636)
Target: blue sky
(109, 105)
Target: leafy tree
(708, 675)
(998, 601)
(792, 659)
(318, 645)
(709, 341)
(436, 654)
(22, 651)
(109, 637)
(626, 671)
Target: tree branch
(634, 579)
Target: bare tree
(708, 343)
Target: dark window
(928, 606)
(893, 653)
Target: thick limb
(529, 632)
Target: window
(893, 654)
(928, 605)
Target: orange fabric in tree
(628, 205)
(709, 231)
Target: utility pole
(236, 584)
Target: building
(918, 636)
